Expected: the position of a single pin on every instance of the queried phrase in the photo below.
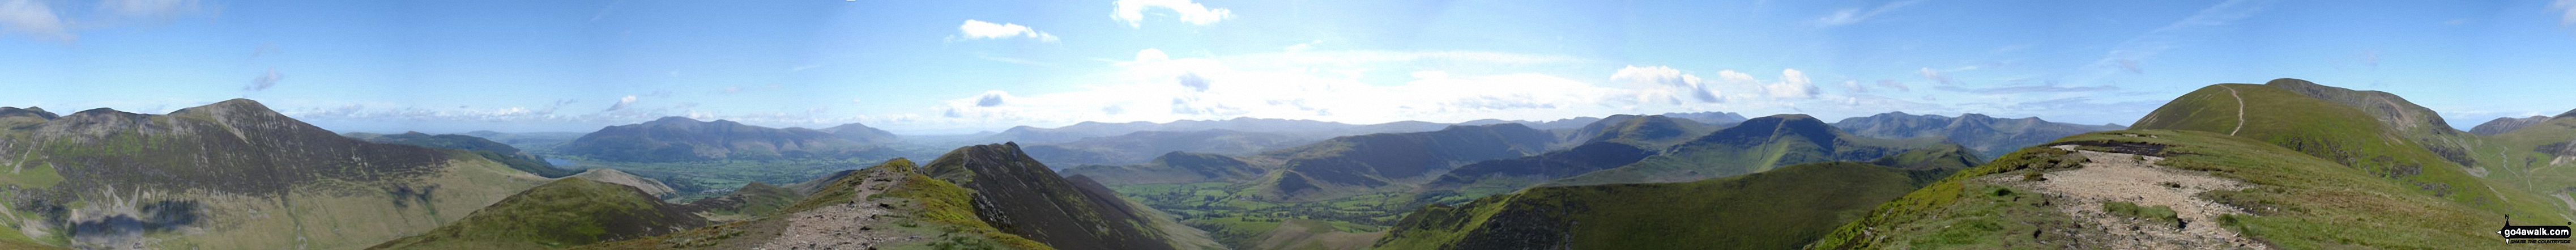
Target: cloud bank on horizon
(958, 67)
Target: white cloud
(1936, 76)
(33, 18)
(149, 9)
(1851, 16)
(974, 29)
(1133, 12)
(1792, 84)
(2569, 9)
(1667, 85)
(265, 80)
(1899, 86)
(1151, 55)
(1158, 87)
(622, 103)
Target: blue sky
(927, 67)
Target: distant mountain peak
(100, 111)
(29, 111)
(2570, 113)
(674, 119)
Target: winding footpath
(2240, 110)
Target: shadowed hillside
(1777, 209)
(1754, 146)
(563, 213)
(228, 175)
(488, 149)
(1352, 164)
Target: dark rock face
(2502, 124)
(1019, 195)
(683, 139)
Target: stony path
(2240, 109)
(864, 224)
(2136, 179)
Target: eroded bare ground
(2117, 177)
(864, 224)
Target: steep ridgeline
(1615, 141)
(1777, 209)
(488, 149)
(1021, 196)
(566, 212)
(1141, 146)
(976, 197)
(228, 175)
(2173, 189)
(682, 139)
(1986, 136)
(1173, 168)
(2506, 124)
(1754, 146)
(2380, 134)
(1355, 164)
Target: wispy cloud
(1133, 13)
(34, 18)
(974, 30)
(2125, 57)
(1666, 84)
(622, 103)
(265, 80)
(2568, 7)
(1855, 15)
(2017, 89)
(149, 9)
(1937, 76)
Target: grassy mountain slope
(890, 205)
(1174, 167)
(563, 213)
(1781, 208)
(2282, 198)
(2506, 124)
(2399, 147)
(1019, 195)
(230, 175)
(674, 139)
(747, 202)
(1354, 164)
(1984, 135)
(488, 149)
(1647, 132)
(1754, 146)
(650, 186)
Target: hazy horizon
(960, 67)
